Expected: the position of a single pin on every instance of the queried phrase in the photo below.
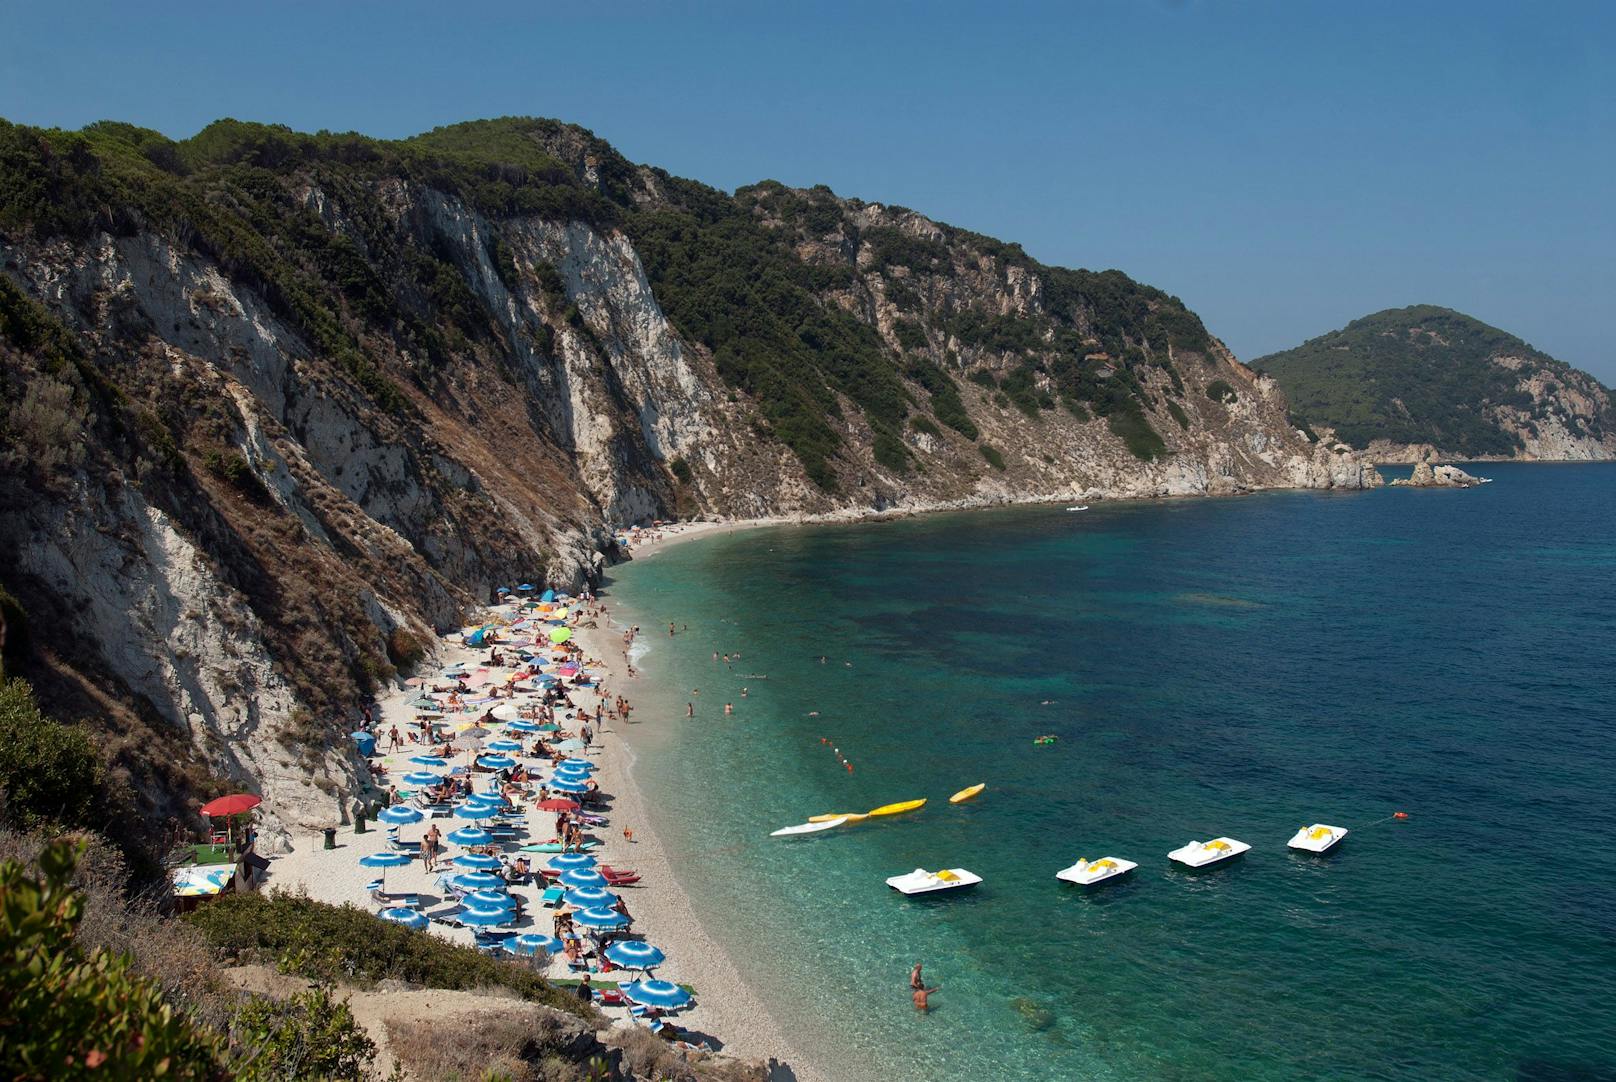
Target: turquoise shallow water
(1210, 667)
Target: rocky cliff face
(278, 407)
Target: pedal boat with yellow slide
(920, 881)
(1206, 854)
(1318, 838)
(1088, 873)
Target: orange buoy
(1400, 815)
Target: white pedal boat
(1086, 873)
(1318, 838)
(1205, 854)
(920, 881)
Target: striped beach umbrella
(399, 814)
(409, 918)
(582, 877)
(562, 862)
(504, 745)
(590, 898)
(632, 954)
(523, 727)
(436, 762)
(476, 862)
(489, 899)
(474, 811)
(663, 994)
(471, 836)
(478, 881)
(599, 919)
(562, 783)
(384, 861)
(496, 762)
(486, 918)
(534, 943)
(421, 777)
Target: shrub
(13, 631)
(310, 1035)
(890, 452)
(46, 428)
(233, 468)
(681, 470)
(909, 334)
(995, 459)
(50, 772)
(326, 942)
(945, 399)
(983, 378)
(404, 650)
(66, 1014)
(1131, 426)
(1220, 391)
(1178, 413)
(921, 423)
(1077, 409)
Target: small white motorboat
(920, 881)
(1318, 838)
(1086, 873)
(1084, 507)
(1206, 854)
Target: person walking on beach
(426, 853)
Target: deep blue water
(1237, 666)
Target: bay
(1229, 667)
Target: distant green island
(1430, 377)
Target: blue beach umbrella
(549, 727)
(533, 943)
(562, 783)
(523, 726)
(495, 762)
(478, 881)
(421, 702)
(562, 862)
(599, 919)
(571, 744)
(582, 877)
(409, 918)
(421, 777)
(489, 899)
(504, 745)
(548, 595)
(587, 764)
(493, 800)
(436, 762)
(486, 918)
(664, 994)
(477, 862)
(399, 813)
(384, 861)
(632, 954)
(474, 811)
(471, 836)
(575, 770)
(590, 898)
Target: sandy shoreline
(727, 1010)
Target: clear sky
(1283, 166)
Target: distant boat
(894, 809)
(1087, 873)
(1317, 838)
(1206, 854)
(965, 794)
(1084, 507)
(808, 828)
(920, 881)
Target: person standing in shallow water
(922, 997)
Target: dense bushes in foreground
(329, 942)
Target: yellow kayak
(965, 794)
(894, 809)
(849, 817)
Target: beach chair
(551, 896)
(391, 901)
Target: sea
(1237, 667)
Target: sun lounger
(551, 895)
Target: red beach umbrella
(231, 805)
(557, 805)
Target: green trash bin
(330, 837)
(359, 824)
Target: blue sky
(1282, 166)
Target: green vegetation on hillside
(1415, 375)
